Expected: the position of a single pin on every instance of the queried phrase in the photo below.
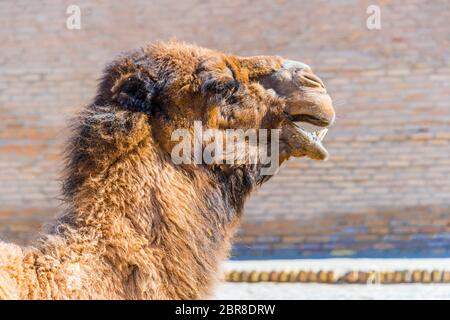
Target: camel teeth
(322, 134)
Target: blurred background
(384, 192)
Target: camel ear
(135, 92)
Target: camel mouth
(303, 140)
(315, 120)
(312, 142)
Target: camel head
(177, 84)
(306, 100)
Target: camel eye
(223, 88)
(219, 81)
(232, 99)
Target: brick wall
(385, 190)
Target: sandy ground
(326, 291)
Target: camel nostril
(312, 80)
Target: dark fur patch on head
(136, 93)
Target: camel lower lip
(310, 143)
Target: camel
(134, 224)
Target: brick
(389, 147)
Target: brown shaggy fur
(137, 226)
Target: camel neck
(151, 228)
(153, 220)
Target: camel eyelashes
(136, 93)
(224, 89)
(218, 80)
